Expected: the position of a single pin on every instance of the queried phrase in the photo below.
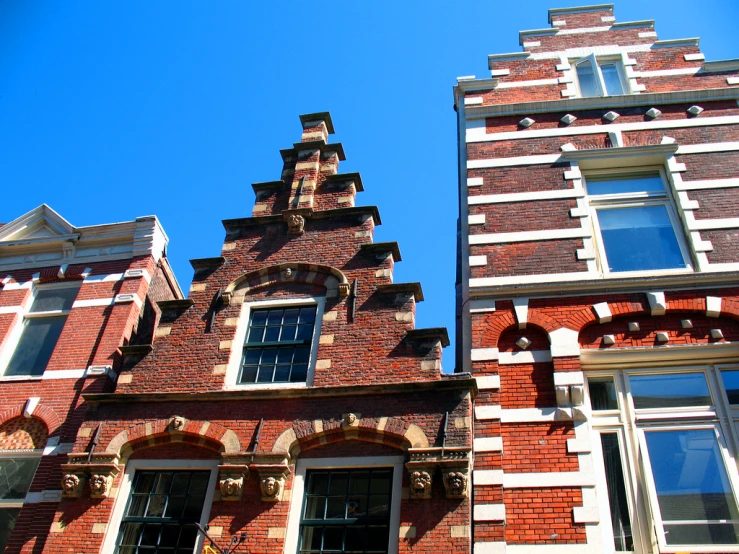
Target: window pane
(625, 184)
(670, 391)
(587, 79)
(639, 238)
(16, 475)
(611, 78)
(35, 346)
(8, 518)
(692, 487)
(602, 393)
(620, 520)
(54, 299)
(731, 384)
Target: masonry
(598, 293)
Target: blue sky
(113, 110)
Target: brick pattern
(23, 434)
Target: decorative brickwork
(23, 434)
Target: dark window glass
(620, 520)
(8, 517)
(731, 384)
(35, 345)
(346, 511)
(278, 345)
(161, 512)
(16, 475)
(54, 299)
(602, 393)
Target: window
(157, 507)
(16, 475)
(599, 77)
(345, 505)
(41, 328)
(346, 510)
(668, 439)
(161, 513)
(637, 225)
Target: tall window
(278, 345)
(669, 424)
(599, 77)
(161, 512)
(16, 474)
(346, 510)
(638, 228)
(42, 326)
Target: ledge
(347, 177)
(380, 247)
(136, 350)
(229, 224)
(414, 288)
(314, 145)
(721, 65)
(202, 263)
(579, 9)
(659, 355)
(182, 304)
(676, 42)
(318, 116)
(429, 333)
(619, 152)
(267, 185)
(467, 383)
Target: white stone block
(484, 354)
(686, 324)
(526, 122)
(611, 116)
(489, 512)
(695, 110)
(523, 343)
(488, 444)
(488, 382)
(717, 334)
(713, 306)
(568, 119)
(654, 113)
(657, 302)
(603, 312)
(662, 336)
(487, 412)
(609, 339)
(634, 326)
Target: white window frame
(17, 504)
(121, 500)
(631, 425)
(15, 334)
(296, 496)
(634, 200)
(237, 346)
(598, 74)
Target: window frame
(121, 500)
(631, 424)
(297, 496)
(635, 200)
(17, 504)
(596, 62)
(16, 333)
(233, 368)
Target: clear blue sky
(113, 110)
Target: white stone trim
(500, 72)
(488, 412)
(93, 302)
(527, 196)
(487, 476)
(63, 374)
(534, 279)
(732, 80)
(488, 512)
(476, 219)
(550, 549)
(713, 306)
(603, 312)
(474, 181)
(707, 184)
(482, 305)
(530, 83)
(564, 342)
(528, 236)
(704, 224)
(657, 303)
(488, 382)
(605, 50)
(104, 278)
(568, 378)
(521, 310)
(578, 446)
(478, 261)
(137, 273)
(472, 100)
(489, 548)
(708, 147)
(581, 514)
(11, 309)
(527, 415)
(484, 354)
(513, 161)
(696, 57)
(488, 444)
(525, 357)
(548, 479)
(667, 72)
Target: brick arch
(586, 316)
(23, 433)
(538, 336)
(226, 440)
(389, 431)
(42, 412)
(299, 272)
(539, 319)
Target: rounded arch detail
(331, 278)
(44, 413)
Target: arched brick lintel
(42, 412)
(291, 272)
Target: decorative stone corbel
(454, 463)
(177, 424)
(455, 483)
(344, 290)
(295, 224)
(100, 484)
(421, 482)
(350, 420)
(226, 297)
(272, 479)
(231, 478)
(98, 470)
(73, 484)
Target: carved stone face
(270, 487)
(295, 224)
(178, 423)
(70, 483)
(456, 483)
(230, 487)
(420, 482)
(351, 419)
(98, 484)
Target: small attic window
(599, 77)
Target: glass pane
(670, 391)
(333, 539)
(144, 481)
(291, 316)
(310, 539)
(639, 238)
(130, 533)
(587, 79)
(692, 487)
(54, 299)
(318, 483)
(620, 520)
(731, 384)
(16, 476)
(8, 517)
(624, 184)
(272, 334)
(308, 315)
(314, 507)
(611, 79)
(602, 393)
(35, 346)
(377, 538)
(259, 317)
(336, 507)
(339, 483)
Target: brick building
(69, 297)
(598, 290)
(290, 397)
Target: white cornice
(601, 358)
(721, 65)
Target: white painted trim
(527, 236)
(707, 184)
(488, 412)
(474, 181)
(121, 499)
(104, 278)
(696, 57)
(530, 83)
(564, 342)
(482, 305)
(704, 224)
(93, 302)
(487, 476)
(472, 100)
(488, 512)
(476, 219)
(578, 446)
(488, 382)
(568, 378)
(11, 309)
(513, 161)
(63, 374)
(488, 444)
(581, 514)
(525, 357)
(478, 261)
(18, 286)
(708, 147)
(605, 50)
(578, 192)
(137, 274)
(603, 312)
(521, 311)
(497, 547)
(527, 415)
(548, 479)
(484, 354)
(534, 279)
(550, 549)
(667, 72)
(296, 496)
(713, 306)
(479, 134)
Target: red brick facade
(544, 318)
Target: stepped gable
(305, 239)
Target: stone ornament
(232, 487)
(287, 273)
(99, 486)
(73, 484)
(420, 484)
(350, 420)
(455, 483)
(178, 423)
(295, 224)
(271, 487)
(343, 290)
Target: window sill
(12, 378)
(265, 386)
(648, 273)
